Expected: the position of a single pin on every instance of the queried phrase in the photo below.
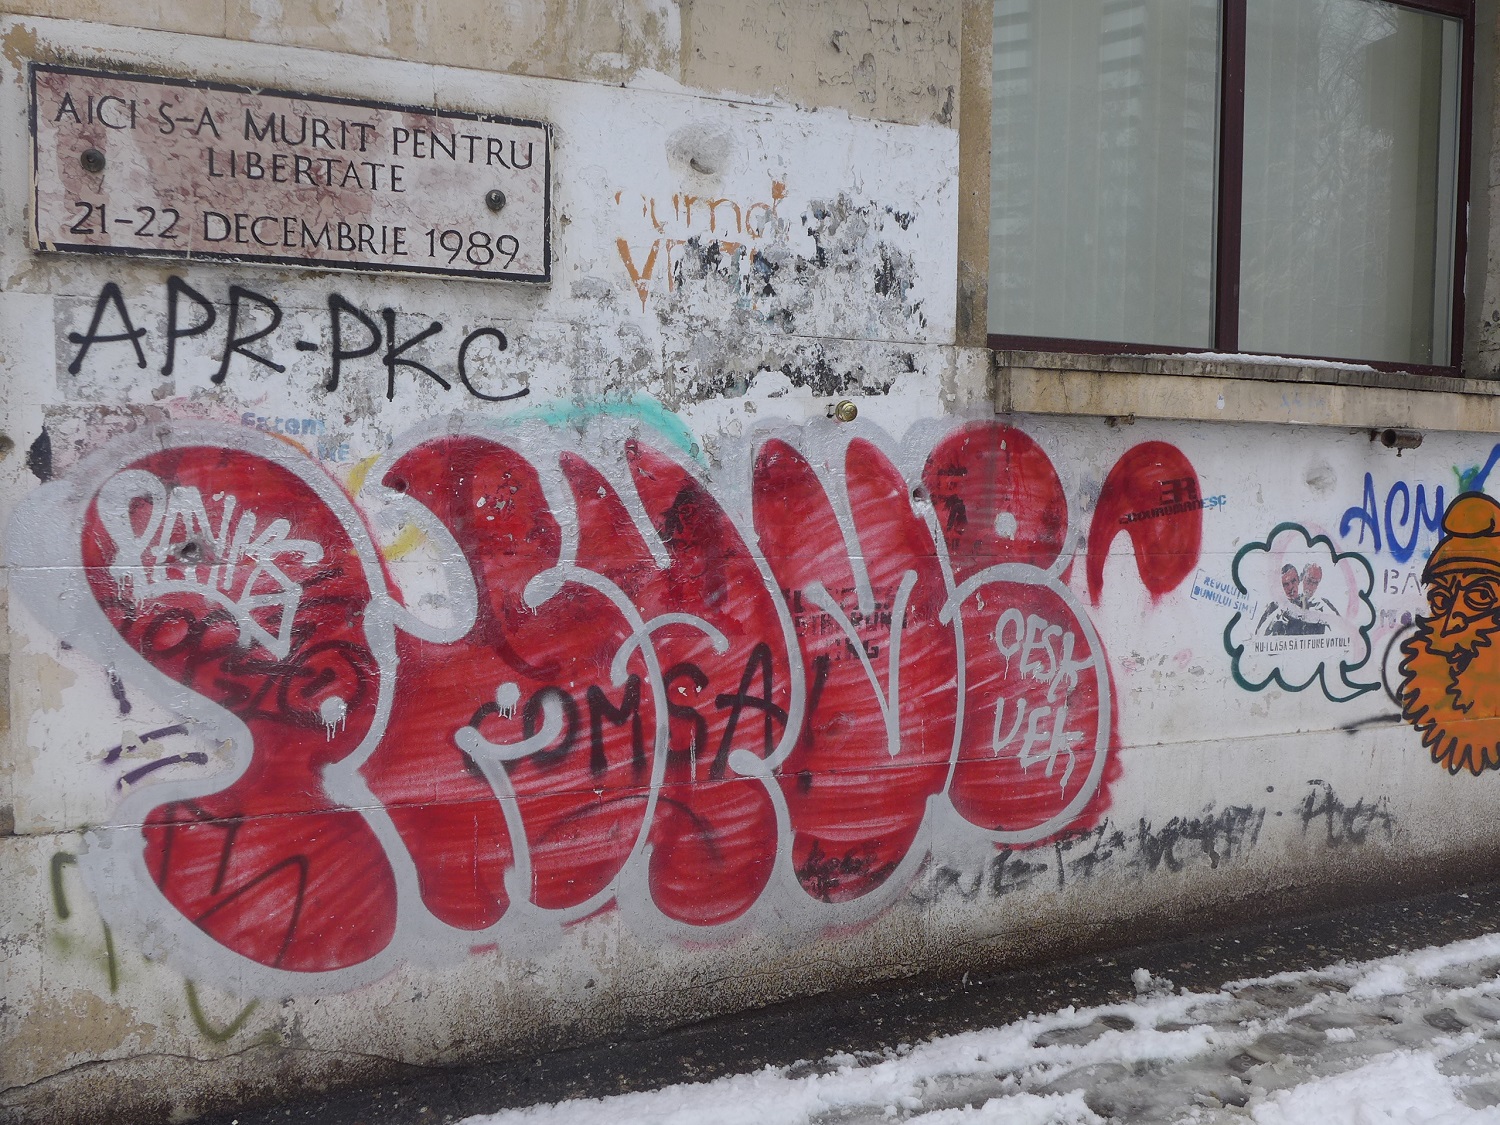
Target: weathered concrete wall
(886, 60)
(607, 680)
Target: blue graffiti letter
(1368, 515)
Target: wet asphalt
(891, 1014)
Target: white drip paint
(335, 713)
(507, 695)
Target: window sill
(1187, 388)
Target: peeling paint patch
(39, 457)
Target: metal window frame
(1228, 205)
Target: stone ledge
(1223, 390)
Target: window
(1279, 177)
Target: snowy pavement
(1412, 1038)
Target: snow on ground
(1412, 1039)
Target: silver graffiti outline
(113, 863)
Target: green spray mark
(59, 899)
(640, 408)
(60, 905)
(1475, 477)
(110, 961)
(210, 1032)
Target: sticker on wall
(1313, 617)
(1450, 674)
(1218, 591)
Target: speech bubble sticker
(1313, 616)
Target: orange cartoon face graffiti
(1450, 688)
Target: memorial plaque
(129, 164)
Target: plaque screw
(92, 161)
(845, 411)
(494, 199)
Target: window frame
(1228, 205)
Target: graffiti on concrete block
(248, 317)
(724, 227)
(1312, 615)
(613, 685)
(1400, 524)
(1151, 494)
(1450, 671)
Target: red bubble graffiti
(1152, 495)
(647, 682)
(265, 622)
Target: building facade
(529, 524)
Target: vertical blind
(1350, 143)
(1104, 169)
